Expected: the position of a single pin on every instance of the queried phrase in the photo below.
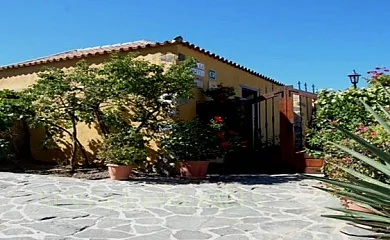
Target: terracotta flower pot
(351, 205)
(192, 169)
(119, 172)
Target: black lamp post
(354, 77)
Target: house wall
(232, 76)
(20, 78)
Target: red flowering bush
(229, 140)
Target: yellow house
(211, 70)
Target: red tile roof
(126, 47)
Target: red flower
(224, 144)
(232, 132)
(373, 134)
(220, 134)
(218, 119)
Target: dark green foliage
(192, 140)
(14, 106)
(124, 148)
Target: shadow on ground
(102, 174)
(221, 179)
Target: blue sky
(313, 41)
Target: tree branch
(83, 151)
(146, 119)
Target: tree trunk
(20, 138)
(74, 145)
(102, 125)
(83, 151)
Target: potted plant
(220, 93)
(191, 143)
(122, 151)
(194, 143)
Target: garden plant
(344, 108)
(125, 93)
(365, 189)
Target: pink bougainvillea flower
(224, 144)
(347, 160)
(373, 134)
(218, 119)
(220, 134)
(363, 128)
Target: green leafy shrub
(362, 189)
(124, 148)
(344, 108)
(197, 140)
(15, 107)
(191, 140)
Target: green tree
(58, 103)
(126, 83)
(149, 92)
(122, 92)
(16, 113)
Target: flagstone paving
(236, 208)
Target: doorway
(251, 93)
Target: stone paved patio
(261, 207)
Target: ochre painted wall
(20, 78)
(229, 75)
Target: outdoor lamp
(354, 77)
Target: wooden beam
(304, 94)
(287, 127)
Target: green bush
(197, 140)
(124, 148)
(14, 106)
(191, 140)
(345, 109)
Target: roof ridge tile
(128, 46)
